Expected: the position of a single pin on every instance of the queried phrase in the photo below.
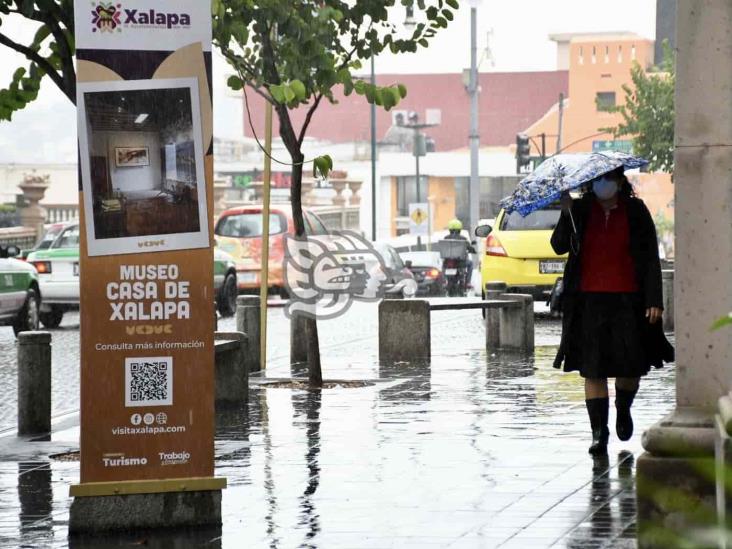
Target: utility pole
(561, 117)
(373, 157)
(474, 186)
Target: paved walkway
(471, 451)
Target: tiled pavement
(471, 451)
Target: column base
(91, 513)
(675, 482)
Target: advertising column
(147, 300)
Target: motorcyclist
(455, 226)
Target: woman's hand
(566, 202)
(653, 314)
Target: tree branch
(38, 60)
(308, 118)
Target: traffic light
(523, 150)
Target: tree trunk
(315, 373)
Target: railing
(339, 218)
(23, 237)
(60, 213)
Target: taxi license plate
(76, 269)
(450, 272)
(551, 267)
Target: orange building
(599, 66)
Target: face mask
(605, 188)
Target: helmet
(455, 225)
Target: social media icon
(162, 418)
(136, 419)
(148, 418)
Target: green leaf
(290, 95)
(447, 14)
(724, 321)
(235, 83)
(453, 4)
(278, 93)
(299, 88)
(360, 87)
(402, 90)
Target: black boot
(624, 422)
(597, 408)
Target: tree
(294, 53)
(648, 113)
(50, 52)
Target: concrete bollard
(247, 321)
(668, 300)
(517, 324)
(404, 329)
(298, 339)
(34, 383)
(232, 376)
(493, 290)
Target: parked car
(518, 252)
(20, 295)
(399, 279)
(52, 231)
(239, 233)
(58, 274)
(427, 270)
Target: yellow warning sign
(418, 216)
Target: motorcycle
(454, 254)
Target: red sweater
(607, 265)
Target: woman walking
(612, 299)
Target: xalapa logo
(120, 460)
(106, 16)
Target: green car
(58, 273)
(20, 296)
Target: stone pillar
(493, 290)
(306, 191)
(247, 321)
(34, 383)
(232, 377)
(355, 187)
(404, 330)
(517, 324)
(339, 185)
(668, 300)
(32, 215)
(703, 261)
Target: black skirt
(607, 336)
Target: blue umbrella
(562, 173)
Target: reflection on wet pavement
(472, 450)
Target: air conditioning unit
(398, 118)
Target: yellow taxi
(517, 251)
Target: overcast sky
(45, 131)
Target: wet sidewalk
(471, 451)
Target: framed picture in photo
(131, 156)
(149, 192)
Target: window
(316, 224)
(248, 225)
(582, 56)
(68, 239)
(632, 52)
(605, 101)
(620, 54)
(407, 193)
(607, 54)
(594, 55)
(539, 220)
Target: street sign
(419, 219)
(147, 313)
(620, 145)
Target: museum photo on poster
(142, 166)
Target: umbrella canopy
(562, 173)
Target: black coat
(643, 250)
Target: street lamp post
(473, 90)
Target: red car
(239, 233)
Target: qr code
(149, 381)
